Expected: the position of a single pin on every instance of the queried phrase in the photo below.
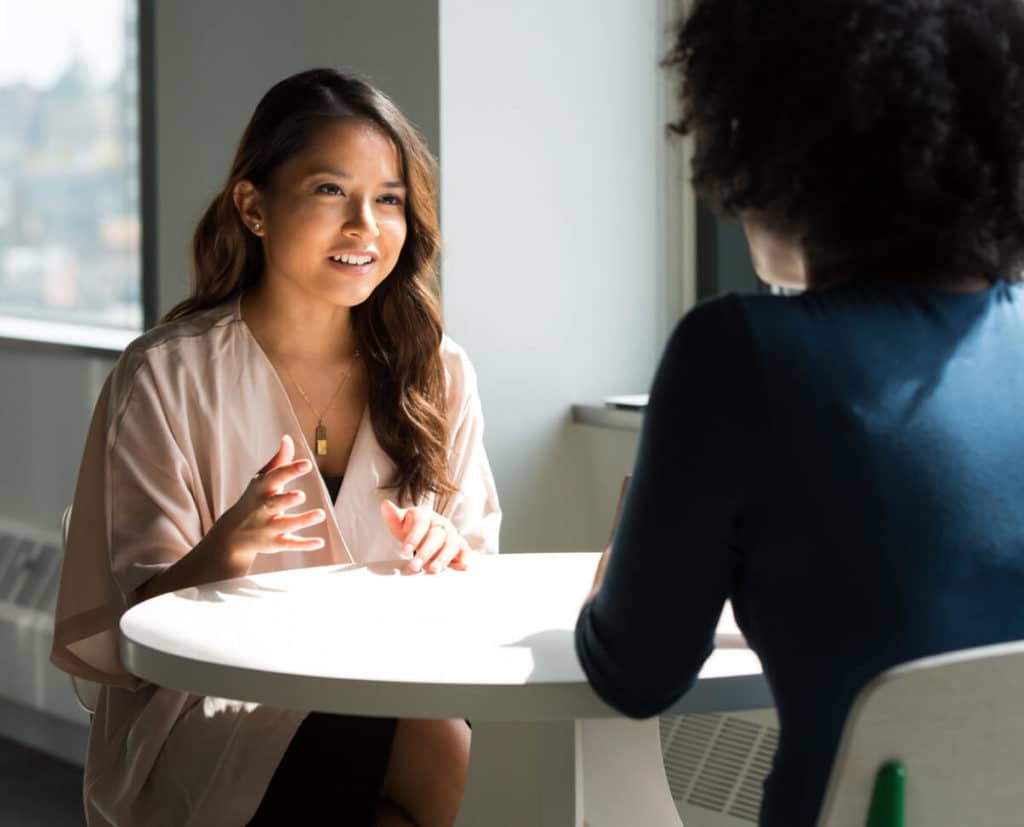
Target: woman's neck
(964, 284)
(302, 327)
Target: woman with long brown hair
(312, 336)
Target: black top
(333, 485)
(848, 468)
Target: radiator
(39, 701)
(716, 764)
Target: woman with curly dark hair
(845, 466)
(313, 336)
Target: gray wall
(45, 407)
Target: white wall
(552, 125)
(215, 60)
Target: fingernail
(416, 564)
(434, 567)
(408, 550)
(305, 465)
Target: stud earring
(256, 227)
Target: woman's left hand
(429, 540)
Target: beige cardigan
(189, 414)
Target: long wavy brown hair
(398, 329)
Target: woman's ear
(249, 203)
(777, 260)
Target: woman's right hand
(259, 521)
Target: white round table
(493, 644)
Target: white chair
(943, 736)
(87, 692)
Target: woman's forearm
(602, 564)
(208, 562)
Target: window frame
(679, 231)
(20, 333)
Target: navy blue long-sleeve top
(847, 467)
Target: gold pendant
(321, 440)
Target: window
(70, 193)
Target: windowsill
(604, 416)
(79, 338)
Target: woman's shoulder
(736, 335)
(197, 331)
(453, 354)
(185, 344)
(762, 320)
(742, 309)
(459, 372)
(714, 326)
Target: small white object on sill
(629, 401)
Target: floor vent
(718, 762)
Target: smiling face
(332, 219)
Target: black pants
(331, 774)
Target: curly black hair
(887, 136)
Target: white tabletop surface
(493, 642)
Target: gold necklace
(321, 429)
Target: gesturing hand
(430, 541)
(258, 522)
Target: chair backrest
(87, 692)
(955, 722)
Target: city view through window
(70, 224)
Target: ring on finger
(438, 526)
(418, 553)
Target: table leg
(624, 779)
(523, 774)
(551, 773)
